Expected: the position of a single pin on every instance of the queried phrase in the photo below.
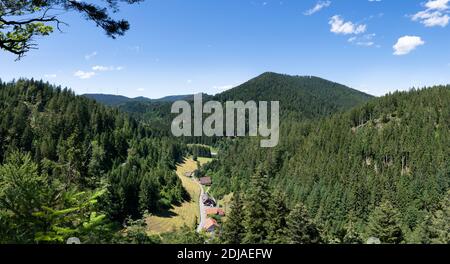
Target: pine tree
(301, 229)
(439, 231)
(423, 233)
(148, 193)
(256, 207)
(278, 213)
(233, 228)
(352, 236)
(384, 223)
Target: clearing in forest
(185, 214)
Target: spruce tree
(301, 229)
(256, 209)
(440, 222)
(149, 193)
(278, 213)
(233, 228)
(384, 223)
(352, 236)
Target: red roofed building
(210, 225)
(215, 211)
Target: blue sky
(188, 46)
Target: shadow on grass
(165, 214)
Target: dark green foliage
(263, 217)
(75, 145)
(435, 228)
(340, 166)
(300, 96)
(440, 222)
(384, 223)
(37, 209)
(278, 213)
(149, 193)
(122, 101)
(301, 228)
(352, 235)
(200, 151)
(114, 100)
(257, 202)
(233, 228)
(395, 147)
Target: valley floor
(187, 213)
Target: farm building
(210, 225)
(205, 181)
(215, 211)
(208, 201)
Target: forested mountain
(173, 98)
(109, 99)
(117, 100)
(73, 167)
(348, 166)
(300, 97)
(388, 158)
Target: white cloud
(406, 44)
(50, 76)
(101, 68)
(90, 55)
(366, 40)
(319, 6)
(432, 19)
(436, 14)
(140, 89)
(84, 75)
(339, 26)
(437, 4)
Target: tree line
(70, 166)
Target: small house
(208, 201)
(215, 211)
(210, 225)
(205, 181)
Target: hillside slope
(118, 100)
(56, 148)
(394, 148)
(299, 96)
(303, 97)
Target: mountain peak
(305, 96)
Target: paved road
(202, 209)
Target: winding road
(202, 209)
